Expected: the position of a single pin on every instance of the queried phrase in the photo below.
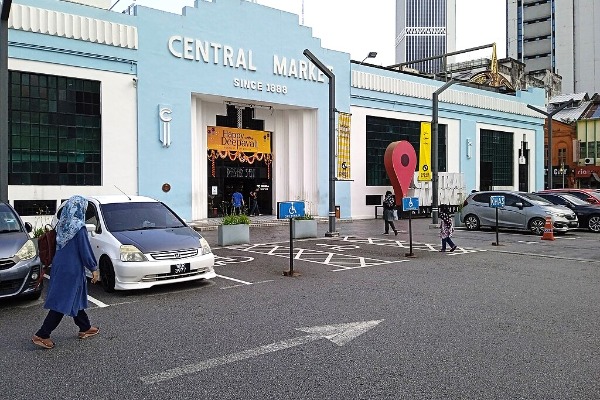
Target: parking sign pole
(291, 249)
(410, 253)
(497, 240)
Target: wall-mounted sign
(343, 150)
(165, 117)
(236, 172)
(233, 139)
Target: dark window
(383, 131)
(373, 200)
(497, 149)
(511, 200)
(35, 207)
(55, 130)
(247, 120)
(482, 198)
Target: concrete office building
(425, 28)
(559, 36)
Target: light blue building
(189, 108)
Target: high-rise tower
(559, 36)
(425, 28)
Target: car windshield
(575, 200)
(139, 216)
(535, 199)
(595, 194)
(8, 220)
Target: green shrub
(37, 232)
(236, 220)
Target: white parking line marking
(235, 280)
(90, 298)
(343, 261)
(362, 266)
(236, 286)
(97, 302)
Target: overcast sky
(360, 26)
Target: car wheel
(472, 222)
(107, 275)
(536, 226)
(594, 223)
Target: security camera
(135, 80)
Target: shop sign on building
(239, 140)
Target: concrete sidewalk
(265, 229)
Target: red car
(592, 196)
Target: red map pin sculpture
(400, 160)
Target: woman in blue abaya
(67, 291)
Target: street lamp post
(434, 152)
(4, 99)
(549, 116)
(329, 74)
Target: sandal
(93, 331)
(44, 343)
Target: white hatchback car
(139, 242)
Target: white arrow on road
(339, 334)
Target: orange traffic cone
(548, 231)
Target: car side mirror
(28, 227)
(91, 228)
(519, 205)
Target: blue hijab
(72, 219)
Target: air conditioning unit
(589, 161)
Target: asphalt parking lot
(361, 321)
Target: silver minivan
(523, 211)
(21, 272)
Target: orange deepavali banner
(234, 139)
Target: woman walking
(389, 204)
(67, 292)
(446, 228)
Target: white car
(139, 242)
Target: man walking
(237, 201)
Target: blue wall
(166, 79)
(468, 116)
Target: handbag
(396, 215)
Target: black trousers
(388, 224)
(254, 207)
(53, 319)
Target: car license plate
(180, 268)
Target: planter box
(233, 234)
(304, 228)
(456, 221)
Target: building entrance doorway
(242, 178)
(239, 159)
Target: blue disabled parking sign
(410, 203)
(290, 209)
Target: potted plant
(234, 229)
(457, 222)
(304, 227)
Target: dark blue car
(21, 272)
(588, 214)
